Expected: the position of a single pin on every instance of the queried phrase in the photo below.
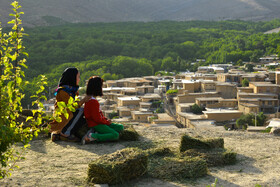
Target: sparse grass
(267, 130)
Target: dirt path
(65, 163)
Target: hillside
(66, 163)
(51, 12)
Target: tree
(245, 120)
(168, 64)
(239, 62)
(249, 67)
(245, 83)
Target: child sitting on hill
(104, 129)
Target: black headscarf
(69, 77)
(68, 82)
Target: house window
(138, 117)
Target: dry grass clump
(129, 133)
(174, 168)
(214, 157)
(188, 142)
(118, 167)
(159, 151)
(190, 161)
(166, 164)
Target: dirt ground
(66, 163)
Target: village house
(257, 102)
(200, 76)
(110, 83)
(191, 86)
(141, 90)
(277, 77)
(153, 79)
(243, 95)
(160, 89)
(145, 106)
(265, 105)
(226, 67)
(216, 102)
(117, 90)
(245, 90)
(226, 77)
(141, 116)
(177, 84)
(150, 102)
(190, 97)
(166, 82)
(124, 112)
(129, 92)
(205, 69)
(208, 86)
(236, 71)
(264, 87)
(129, 102)
(218, 70)
(221, 115)
(210, 69)
(247, 108)
(256, 77)
(150, 98)
(271, 77)
(269, 59)
(183, 75)
(238, 78)
(184, 107)
(259, 69)
(186, 119)
(226, 90)
(112, 96)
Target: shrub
(245, 83)
(172, 92)
(14, 129)
(113, 114)
(156, 104)
(160, 110)
(196, 109)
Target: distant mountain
(54, 12)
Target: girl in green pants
(106, 130)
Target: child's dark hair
(94, 86)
